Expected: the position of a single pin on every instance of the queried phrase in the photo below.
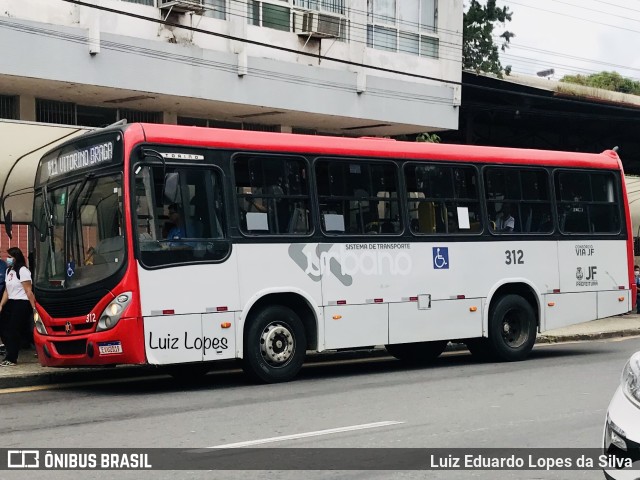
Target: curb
(631, 332)
(53, 376)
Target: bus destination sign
(88, 157)
(84, 155)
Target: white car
(622, 426)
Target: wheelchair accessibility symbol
(441, 258)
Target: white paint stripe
(307, 434)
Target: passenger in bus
(90, 258)
(176, 232)
(505, 221)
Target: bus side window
(272, 195)
(442, 199)
(358, 197)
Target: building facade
(339, 67)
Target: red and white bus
(169, 245)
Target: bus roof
(364, 147)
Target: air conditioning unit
(181, 5)
(319, 24)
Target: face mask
(637, 272)
(9, 262)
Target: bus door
(187, 272)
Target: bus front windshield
(79, 232)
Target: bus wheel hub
(276, 344)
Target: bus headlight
(111, 315)
(37, 321)
(631, 378)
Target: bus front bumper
(119, 345)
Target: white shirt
(15, 290)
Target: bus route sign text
(89, 157)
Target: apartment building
(339, 67)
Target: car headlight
(614, 435)
(631, 379)
(111, 315)
(42, 330)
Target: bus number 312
(514, 257)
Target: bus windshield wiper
(47, 209)
(48, 227)
(74, 200)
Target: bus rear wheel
(274, 345)
(512, 329)
(419, 352)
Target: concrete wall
(53, 40)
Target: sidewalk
(29, 372)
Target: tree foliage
(606, 80)
(479, 51)
(428, 137)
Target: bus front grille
(68, 306)
(77, 327)
(72, 347)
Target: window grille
(51, 111)
(95, 116)
(134, 116)
(141, 2)
(215, 9)
(9, 107)
(406, 26)
(304, 131)
(256, 127)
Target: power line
(582, 7)
(221, 66)
(618, 27)
(443, 46)
(261, 44)
(299, 80)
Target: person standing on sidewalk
(17, 305)
(3, 272)
(636, 271)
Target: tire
(512, 329)
(479, 348)
(274, 345)
(419, 352)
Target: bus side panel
(265, 268)
(562, 309)
(175, 301)
(615, 302)
(588, 266)
(169, 338)
(356, 325)
(218, 336)
(592, 265)
(442, 320)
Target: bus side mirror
(8, 224)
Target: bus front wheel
(512, 329)
(274, 345)
(419, 352)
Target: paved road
(558, 398)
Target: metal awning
(22, 144)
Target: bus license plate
(109, 348)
